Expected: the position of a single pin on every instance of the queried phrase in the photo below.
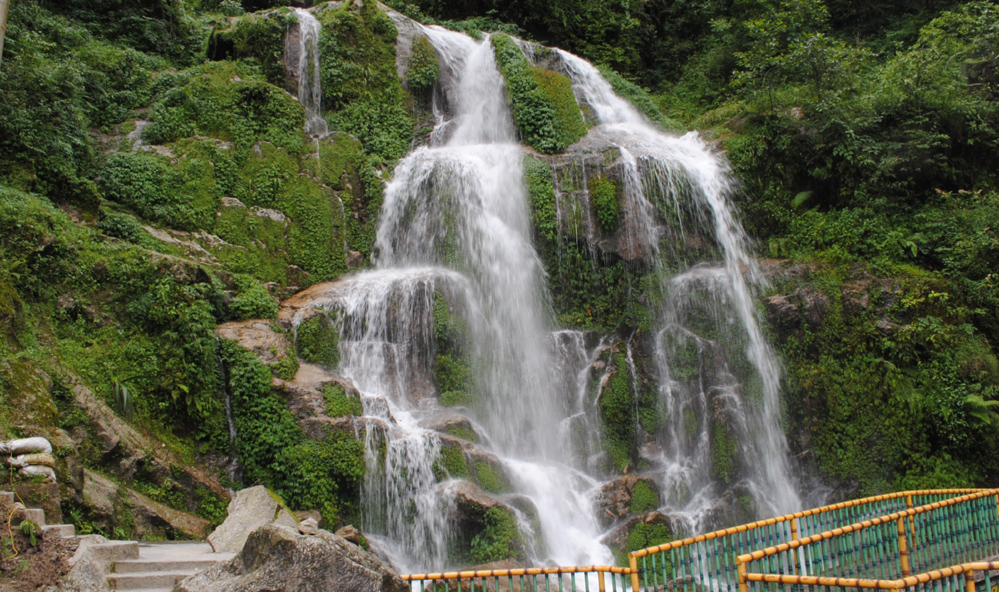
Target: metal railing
(938, 542)
(698, 563)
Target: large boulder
(281, 559)
(248, 511)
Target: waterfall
(453, 253)
(310, 91)
(660, 167)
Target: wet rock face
(617, 500)
(258, 337)
(280, 558)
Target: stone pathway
(157, 567)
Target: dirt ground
(34, 568)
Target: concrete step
(145, 580)
(192, 564)
(62, 530)
(35, 515)
(7, 496)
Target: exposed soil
(33, 568)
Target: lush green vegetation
(544, 107)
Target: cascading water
(659, 168)
(310, 91)
(454, 239)
(455, 228)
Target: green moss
(643, 499)
(317, 341)
(265, 429)
(453, 461)
(499, 539)
(254, 245)
(724, 464)
(180, 192)
(354, 175)
(423, 66)
(270, 178)
(489, 478)
(452, 373)
(541, 196)
(339, 404)
(603, 196)
(617, 416)
(463, 432)
(542, 102)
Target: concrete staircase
(157, 567)
(38, 517)
(141, 567)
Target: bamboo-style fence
(938, 546)
(703, 563)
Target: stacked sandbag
(32, 457)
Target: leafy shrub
(423, 66)
(616, 415)
(252, 300)
(499, 539)
(124, 227)
(317, 341)
(325, 474)
(362, 93)
(603, 196)
(339, 404)
(232, 102)
(546, 113)
(643, 499)
(541, 196)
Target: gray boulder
(280, 559)
(249, 510)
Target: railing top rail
(526, 571)
(906, 582)
(861, 525)
(814, 511)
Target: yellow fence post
(903, 549)
(912, 522)
(601, 586)
(743, 583)
(633, 563)
(794, 554)
(969, 580)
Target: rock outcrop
(108, 502)
(280, 558)
(248, 511)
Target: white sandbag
(25, 446)
(24, 460)
(37, 471)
